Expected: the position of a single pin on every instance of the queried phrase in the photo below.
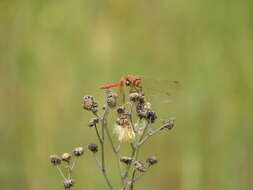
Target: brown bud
(93, 148)
(68, 183)
(66, 157)
(152, 160)
(112, 99)
(93, 122)
(78, 151)
(55, 160)
(140, 166)
(126, 160)
(89, 104)
(169, 124)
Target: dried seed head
(78, 151)
(55, 160)
(93, 122)
(126, 160)
(89, 104)
(140, 166)
(112, 99)
(169, 124)
(93, 148)
(68, 183)
(66, 157)
(152, 160)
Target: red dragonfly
(136, 83)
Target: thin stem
(132, 180)
(61, 173)
(98, 135)
(97, 162)
(115, 150)
(104, 124)
(135, 153)
(151, 133)
(74, 164)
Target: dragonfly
(137, 84)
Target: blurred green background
(54, 52)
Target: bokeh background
(54, 52)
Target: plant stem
(60, 171)
(115, 150)
(132, 180)
(103, 126)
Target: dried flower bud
(93, 122)
(126, 160)
(112, 99)
(152, 160)
(78, 151)
(90, 104)
(66, 157)
(151, 116)
(140, 166)
(55, 160)
(169, 124)
(93, 148)
(120, 110)
(68, 183)
(137, 97)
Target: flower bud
(140, 166)
(55, 160)
(89, 104)
(93, 122)
(68, 183)
(151, 116)
(93, 148)
(169, 124)
(112, 99)
(78, 151)
(152, 160)
(136, 97)
(120, 110)
(126, 160)
(66, 157)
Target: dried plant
(133, 127)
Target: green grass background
(54, 52)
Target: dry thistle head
(93, 148)
(152, 160)
(78, 151)
(68, 183)
(66, 157)
(126, 160)
(90, 104)
(55, 159)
